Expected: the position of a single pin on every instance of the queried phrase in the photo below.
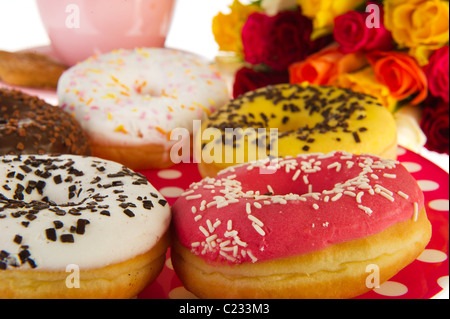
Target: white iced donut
(129, 101)
(93, 221)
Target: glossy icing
(309, 203)
(57, 211)
(137, 97)
(309, 119)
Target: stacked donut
(286, 120)
(130, 101)
(309, 230)
(30, 69)
(279, 225)
(59, 210)
(78, 227)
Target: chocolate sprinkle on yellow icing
(310, 99)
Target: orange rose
(364, 81)
(325, 66)
(401, 74)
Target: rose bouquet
(396, 50)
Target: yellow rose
(227, 27)
(422, 53)
(364, 81)
(421, 25)
(323, 12)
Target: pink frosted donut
(310, 230)
(129, 101)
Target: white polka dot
(427, 186)
(432, 256)
(412, 167)
(401, 151)
(181, 293)
(391, 289)
(171, 191)
(443, 282)
(439, 204)
(169, 263)
(169, 174)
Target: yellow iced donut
(287, 119)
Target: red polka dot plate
(426, 277)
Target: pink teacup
(80, 28)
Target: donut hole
(267, 181)
(145, 91)
(52, 182)
(265, 185)
(30, 190)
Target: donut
(30, 69)
(130, 101)
(327, 226)
(286, 120)
(78, 227)
(29, 125)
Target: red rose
(435, 125)
(437, 73)
(247, 79)
(353, 34)
(254, 44)
(277, 41)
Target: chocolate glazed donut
(28, 125)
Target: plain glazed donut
(30, 69)
(310, 230)
(93, 219)
(29, 125)
(309, 119)
(129, 101)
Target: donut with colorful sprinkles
(130, 101)
(78, 227)
(321, 226)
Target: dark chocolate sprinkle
(17, 239)
(31, 263)
(57, 179)
(25, 168)
(105, 213)
(58, 224)
(81, 226)
(67, 238)
(356, 137)
(147, 204)
(129, 213)
(50, 233)
(162, 202)
(23, 255)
